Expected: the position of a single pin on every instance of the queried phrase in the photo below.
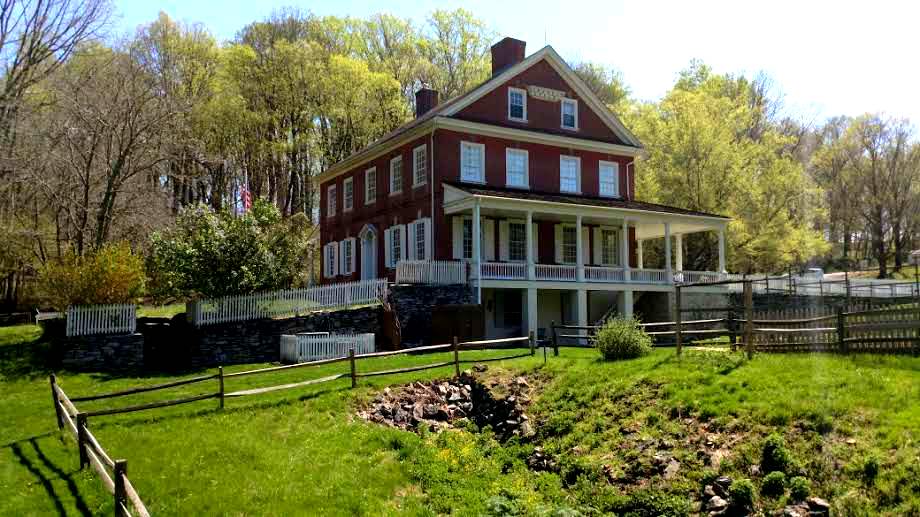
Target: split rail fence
(117, 482)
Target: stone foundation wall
(413, 305)
(103, 353)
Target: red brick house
(523, 187)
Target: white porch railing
(313, 346)
(555, 272)
(288, 302)
(604, 274)
(698, 276)
(431, 272)
(649, 276)
(88, 320)
(504, 271)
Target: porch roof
(574, 199)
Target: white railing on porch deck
(698, 276)
(555, 272)
(431, 272)
(649, 276)
(504, 271)
(604, 274)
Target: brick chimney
(507, 52)
(425, 100)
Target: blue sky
(825, 58)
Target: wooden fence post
(57, 406)
(220, 381)
(677, 306)
(555, 340)
(81, 439)
(749, 319)
(533, 343)
(457, 357)
(732, 332)
(121, 496)
(841, 331)
(351, 359)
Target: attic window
(517, 104)
(569, 114)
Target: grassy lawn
(304, 451)
(160, 311)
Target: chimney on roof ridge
(426, 99)
(506, 53)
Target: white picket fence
(313, 346)
(431, 272)
(88, 320)
(287, 302)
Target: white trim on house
(616, 178)
(577, 161)
(523, 93)
(509, 151)
(370, 197)
(331, 201)
(562, 104)
(422, 151)
(396, 188)
(348, 194)
(463, 162)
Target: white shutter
(503, 235)
(326, 269)
(558, 243)
(342, 269)
(388, 247)
(458, 237)
(402, 242)
(585, 245)
(598, 245)
(353, 244)
(335, 259)
(410, 253)
(488, 240)
(536, 242)
(428, 243)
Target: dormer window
(569, 114)
(517, 104)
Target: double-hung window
(420, 243)
(517, 104)
(370, 186)
(609, 178)
(467, 238)
(419, 166)
(569, 245)
(395, 244)
(609, 247)
(348, 194)
(569, 109)
(330, 201)
(517, 242)
(347, 256)
(472, 162)
(396, 175)
(330, 256)
(570, 174)
(516, 165)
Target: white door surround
(368, 236)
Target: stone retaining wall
(103, 353)
(413, 305)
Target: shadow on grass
(44, 480)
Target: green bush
(870, 468)
(799, 488)
(775, 457)
(111, 274)
(622, 338)
(741, 493)
(774, 484)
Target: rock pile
(717, 502)
(811, 507)
(436, 405)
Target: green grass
(160, 311)
(304, 451)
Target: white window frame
(574, 229)
(481, 148)
(577, 160)
(395, 234)
(348, 194)
(517, 222)
(330, 259)
(511, 151)
(463, 238)
(347, 256)
(370, 194)
(615, 258)
(419, 233)
(422, 151)
(524, 96)
(616, 178)
(331, 201)
(562, 104)
(393, 161)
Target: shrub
(741, 493)
(622, 338)
(111, 274)
(774, 484)
(799, 488)
(775, 456)
(870, 469)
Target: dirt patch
(497, 401)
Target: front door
(368, 254)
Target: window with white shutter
(395, 245)
(569, 245)
(370, 186)
(419, 166)
(419, 243)
(331, 259)
(348, 194)
(517, 241)
(347, 256)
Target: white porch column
(679, 252)
(722, 250)
(532, 310)
(528, 229)
(624, 250)
(625, 300)
(579, 252)
(582, 296)
(667, 252)
(477, 251)
(639, 259)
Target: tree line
(107, 137)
